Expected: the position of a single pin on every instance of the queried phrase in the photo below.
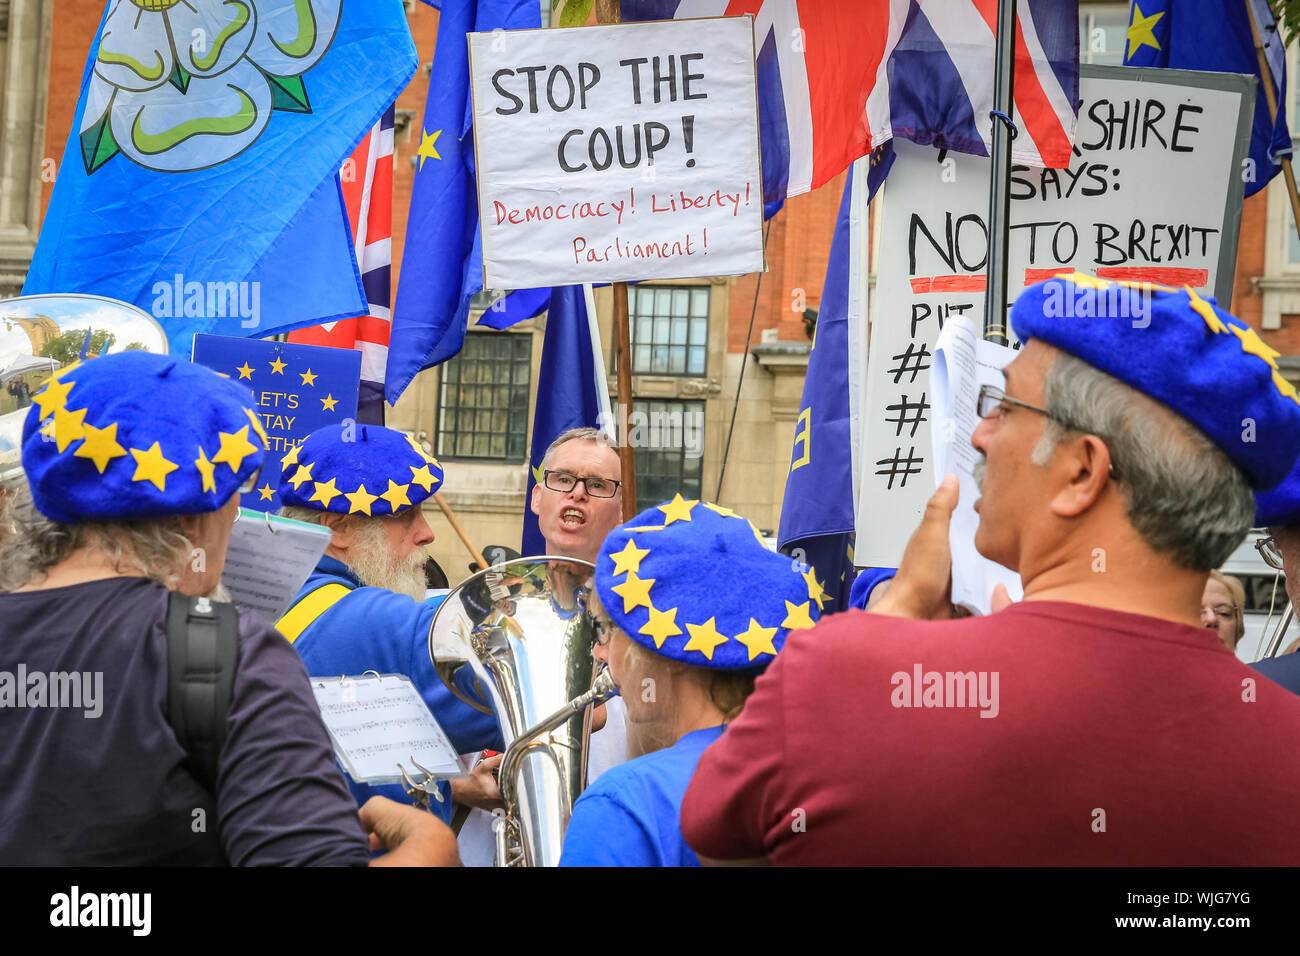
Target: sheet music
(376, 723)
(268, 560)
(963, 362)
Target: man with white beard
(363, 607)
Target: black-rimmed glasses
(1268, 551)
(991, 399)
(564, 482)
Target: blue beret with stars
(1181, 350)
(1281, 506)
(136, 435)
(358, 469)
(695, 583)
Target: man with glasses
(1279, 511)
(578, 502)
(1094, 722)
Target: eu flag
(442, 262)
(571, 390)
(200, 180)
(1216, 36)
(817, 511)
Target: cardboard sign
(617, 153)
(296, 389)
(1153, 194)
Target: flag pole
(450, 515)
(609, 12)
(995, 297)
(1266, 77)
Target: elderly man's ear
(343, 529)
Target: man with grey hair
(1119, 467)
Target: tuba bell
(524, 629)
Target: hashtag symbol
(910, 361)
(904, 418)
(900, 467)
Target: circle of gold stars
(702, 638)
(362, 500)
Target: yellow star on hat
(629, 559)
(1252, 344)
(100, 446)
(53, 397)
(290, 457)
(302, 474)
(1285, 387)
(815, 590)
(757, 639)
(422, 476)
(797, 616)
(704, 638)
(326, 491)
(1205, 311)
(257, 428)
(396, 495)
(661, 625)
(725, 512)
(207, 469)
(68, 426)
(360, 500)
(679, 509)
(150, 465)
(235, 447)
(635, 592)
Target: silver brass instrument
(524, 629)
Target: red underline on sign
(1039, 275)
(973, 283)
(1162, 275)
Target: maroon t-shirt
(1065, 734)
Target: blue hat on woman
(695, 583)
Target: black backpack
(202, 650)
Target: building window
(483, 405)
(670, 329)
(1101, 33)
(669, 440)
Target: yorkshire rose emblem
(182, 85)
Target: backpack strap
(202, 651)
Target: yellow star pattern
(360, 500)
(1285, 387)
(679, 509)
(725, 512)
(100, 446)
(235, 447)
(325, 492)
(1252, 344)
(68, 426)
(647, 527)
(423, 477)
(539, 475)
(757, 639)
(396, 495)
(758, 535)
(150, 465)
(302, 474)
(1083, 280)
(428, 148)
(257, 428)
(290, 457)
(327, 403)
(815, 590)
(629, 559)
(1205, 311)
(245, 371)
(208, 470)
(266, 493)
(661, 626)
(635, 592)
(797, 616)
(704, 638)
(308, 378)
(53, 397)
(1140, 31)
(277, 367)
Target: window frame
(687, 405)
(634, 293)
(523, 358)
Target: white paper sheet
(963, 362)
(268, 560)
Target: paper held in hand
(268, 560)
(963, 362)
(377, 722)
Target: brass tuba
(524, 629)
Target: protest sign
(616, 153)
(1153, 194)
(296, 389)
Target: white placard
(377, 723)
(269, 559)
(1152, 194)
(617, 153)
